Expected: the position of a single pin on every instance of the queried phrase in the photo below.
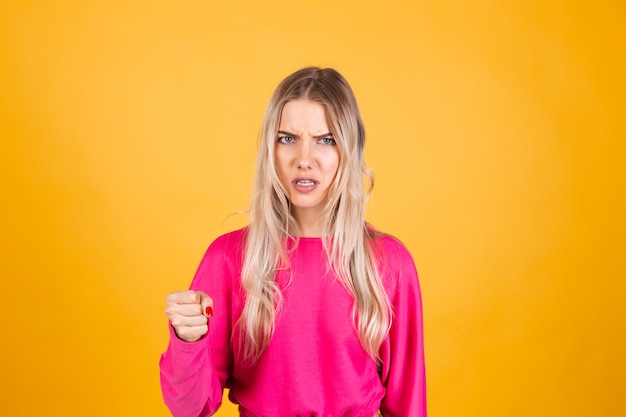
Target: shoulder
(227, 248)
(223, 258)
(229, 241)
(395, 263)
(388, 248)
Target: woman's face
(306, 157)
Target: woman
(308, 311)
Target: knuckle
(183, 332)
(171, 297)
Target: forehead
(304, 117)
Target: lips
(305, 185)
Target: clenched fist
(189, 312)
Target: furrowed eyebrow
(325, 135)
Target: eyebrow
(325, 135)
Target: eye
(286, 139)
(327, 141)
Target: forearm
(189, 382)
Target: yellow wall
(496, 129)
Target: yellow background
(495, 130)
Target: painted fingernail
(209, 311)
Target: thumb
(207, 303)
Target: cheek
(278, 163)
(334, 163)
(281, 165)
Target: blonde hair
(348, 241)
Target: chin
(302, 204)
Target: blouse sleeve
(193, 375)
(402, 353)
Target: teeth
(305, 182)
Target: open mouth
(305, 185)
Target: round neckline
(308, 239)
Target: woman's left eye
(327, 141)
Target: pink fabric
(314, 365)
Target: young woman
(308, 311)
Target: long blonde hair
(348, 241)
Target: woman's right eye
(286, 139)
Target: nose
(305, 156)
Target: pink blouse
(315, 364)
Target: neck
(309, 223)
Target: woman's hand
(189, 312)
